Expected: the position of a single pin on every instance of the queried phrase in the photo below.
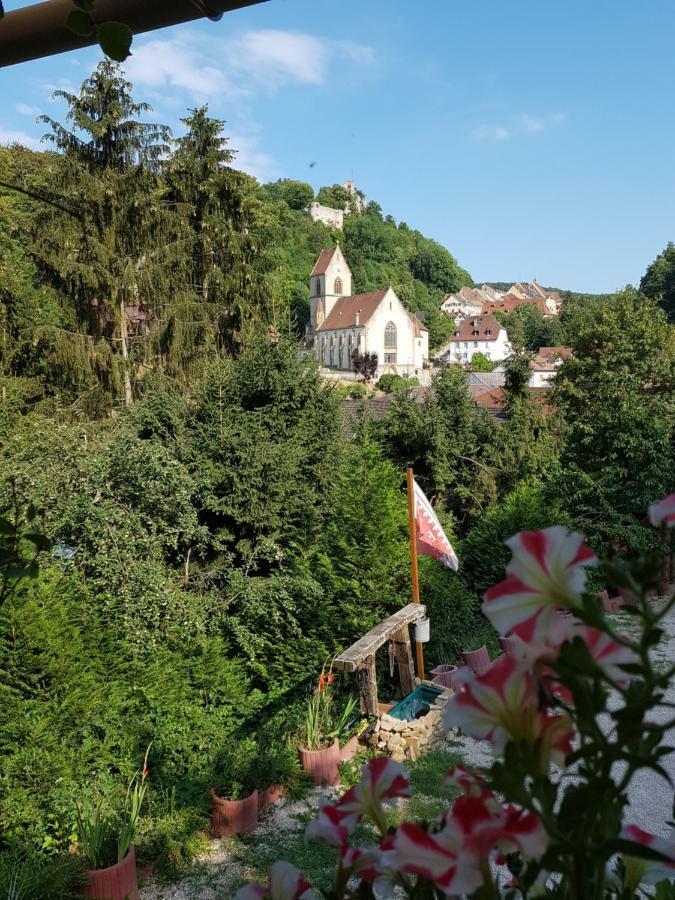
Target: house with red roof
(375, 322)
(477, 334)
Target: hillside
(380, 253)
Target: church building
(376, 322)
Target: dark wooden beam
(404, 661)
(351, 659)
(366, 678)
(39, 30)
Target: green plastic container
(416, 704)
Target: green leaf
(115, 39)
(79, 23)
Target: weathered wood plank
(351, 659)
(366, 677)
(404, 660)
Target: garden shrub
(357, 391)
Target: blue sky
(532, 139)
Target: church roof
(323, 261)
(343, 314)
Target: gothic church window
(338, 286)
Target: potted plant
(235, 798)
(278, 768)
(443, 675)
(320, 749)
(106, 841)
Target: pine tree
(226, 289)
(120, 252)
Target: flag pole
(413, 561)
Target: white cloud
(491, 132)
(250, 158)
(267, 59)
(524, 124)
(176, 64)
(275, 57)
(25, 110)
(9, 136)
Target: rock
(399, 725)
(398, 755)
(395, 741)
(387, 723)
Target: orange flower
(330, 678)
(322, 682)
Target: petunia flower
(437, 858)
(648, 871)
(546, 573)
(381, 779)
(332, 825)
(503, 705)
(482, 826)
(663, 511)
(286, 883)
(467, 782)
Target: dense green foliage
(218, 537)
(658, 282)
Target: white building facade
(332, 218)
(375, 322)
(477, 334)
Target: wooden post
(404, 660)
(413, 561)
(367, 681)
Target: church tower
(330, 280)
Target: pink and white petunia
(663, 512)
(332, 825)
(381, 779)
(286, 883)
(608, 654)
(437, 858)
(481, 826)
(546, 573)
(466, 781)
(648, 871)
(503, 705)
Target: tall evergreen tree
(226, 287)
(117, 253)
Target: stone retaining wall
(402, 739)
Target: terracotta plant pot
(230, 817)
(272, 795)
(350, 749)
(322, 765)
(117, 882)
(443, 675)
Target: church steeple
(330, 279)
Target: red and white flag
(431, 539)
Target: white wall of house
(457, 351)
(541, 378)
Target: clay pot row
(323, 764)
(230, 817)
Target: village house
(532, 290)
(546, 364)
(376, 322)
(478, 334)
(468, 301)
